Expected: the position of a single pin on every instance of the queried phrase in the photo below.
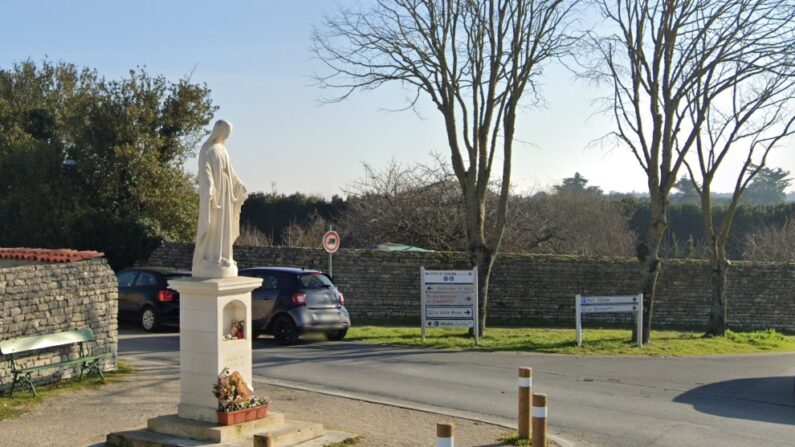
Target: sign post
(331, 243)
(449, 298)
(632, 304)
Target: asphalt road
(603, 401)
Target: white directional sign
(632, 304)
(449, 288)
(449, 277)
(609, 308)
(602, 300)
(449, 298)
(439, 299)
(450, 323)
(449, 312)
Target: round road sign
(331, 241)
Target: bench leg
(92, 366)
(13, 385)
(25, 378)
(30, 384)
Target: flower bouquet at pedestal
(236, 403)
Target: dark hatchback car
(295, 301)
(144, 296)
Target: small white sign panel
(451, 277)
(609, 308)
(449, 312)
(625, 299)
(449, 323)
(448, 300)
(449, 288)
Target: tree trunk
(718, 264)
(649, 263)
(718, 311)
(483, 258)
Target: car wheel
(336, 335)
(284, 331)
(149, 319)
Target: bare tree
(568, 223)
(309, 235)
(669, 62)
(250, 236)
(417, 205)
(771, 243)
(752, 114)
(421, 205)
(474, 60)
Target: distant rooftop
(31, 255)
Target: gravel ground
(83, 418)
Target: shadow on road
(766, 399)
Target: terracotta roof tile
(60, 255)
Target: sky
(255, 56)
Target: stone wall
(48, 298)
(534, 288)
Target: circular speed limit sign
(331, 241)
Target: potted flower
(236, 403)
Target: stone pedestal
(207, 309)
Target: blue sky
(255, 57)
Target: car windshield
(314, 281)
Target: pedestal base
(196, 413)
(212, 432)
(172, 431)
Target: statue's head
(221, 131)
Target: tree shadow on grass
(766, 399)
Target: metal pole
(330, 255)
(477, 307)
(578, 318)
(639, 317)
(422, 301)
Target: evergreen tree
(91, 163)
(576, 185)
(768, 187)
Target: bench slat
(34, 342)
(64, 363)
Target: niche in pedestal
(233, 318)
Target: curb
(500, 422)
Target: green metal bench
(25, 345)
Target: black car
(295, 301)
(144, 296)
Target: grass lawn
(23, 400)
(562, 341)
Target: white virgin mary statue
(221, 194)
